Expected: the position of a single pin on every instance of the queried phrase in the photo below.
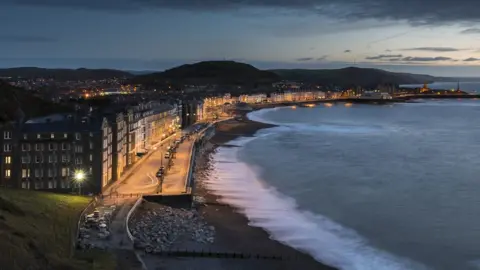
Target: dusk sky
(438, 37)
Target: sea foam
(240, 185)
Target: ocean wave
(240, 185)
(259, 116)
(445, 103)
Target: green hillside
(37, 230)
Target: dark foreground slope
(16, 102)
(37, 230)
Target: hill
(63, 74)
(37, 231)
(351, 76)
(16, 102)
(209, 72)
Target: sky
(437, 37)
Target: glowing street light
(79, 177)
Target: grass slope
(36, 230)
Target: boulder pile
(156, 230)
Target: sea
(363, 187)
(472, 87)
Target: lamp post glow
(79, 177)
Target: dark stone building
(62, 152)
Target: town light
(79, 176)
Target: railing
(127, 219)
(90, 206)
(117, 195)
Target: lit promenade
(144, 180)
(174, 181)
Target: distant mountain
(63, 74)
(141, 72)
(17, 103)
(351, 76)
(209, 72)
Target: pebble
(159, 229)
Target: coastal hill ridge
(210, 72)
(63, 74)
(352, 76)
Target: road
(174, 181)
(143, 180)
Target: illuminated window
(7, 173)
(8, 160)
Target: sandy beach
(232, 231)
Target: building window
(38, 147)
(78, 161)
(39, 136)
(78, 136)
(50, 172)
(91, 157)
(50, 184)
(90, 170)
(91, 145)
(25, 136)
(8, 159)
(64, 172)
(65, 135)
(7, 173)
(91, 134)
(38, 159)
(65, 158)
(7, 135)
(7, 147)
(78, 149)
(25, 147)
(25, 173)
(52, 158)
(26, 159)
(37, 172)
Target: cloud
(425, 59)
(306, 59)
(416, 12)
(347, 51)
(433, 49)
(25, 39)
(303, 59)
(387, 50)
(471, 59)
(471, 31)
(383, 56)
(324, 57)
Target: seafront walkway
(142, 181)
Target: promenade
(141, 180)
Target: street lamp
(79, 177)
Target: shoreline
(233, 232)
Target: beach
(232, 232)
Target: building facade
(50, 153)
